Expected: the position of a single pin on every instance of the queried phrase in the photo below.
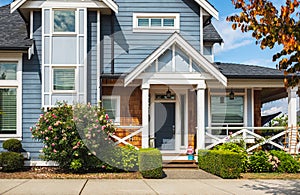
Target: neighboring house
(150, 62)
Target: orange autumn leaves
(271, 26)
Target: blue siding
(131, 48)
(249, 108)
(92, 57)
(32, 99)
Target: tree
(271, 26)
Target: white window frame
(156, 29)
(64, 91)
(242, 94)
(64, 33)
(118, 102)
(14, 84)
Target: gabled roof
(13, 32)
(18, 3)
(200, 60)
(209, 8)
(210, 34)
(242, 71)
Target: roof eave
(209, 8)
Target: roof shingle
(210, 34)
(13, 33)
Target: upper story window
(64, 79)
(8, 71)
(64, 21)
(156, 22)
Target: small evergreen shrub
(11, 161)
(12, 145)
(225, 164)
(236, 148)
(287, 164)
(259, 162)
(150, 163)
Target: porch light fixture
(222, 100)
(168, 93)
(231, 95)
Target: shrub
(74, 150)
(11, 161)
(236, 148)
(225, 164)
(287, 163)
(150, 163)
(258, 162)
(12, 145)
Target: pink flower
(75, 147)
(96, 120)
(54, 151)
(103, 167)
(30, 128)
(50, 128)
(54, 116)
(47, 138)
(103, 127)
(106, 116)
(53, 144)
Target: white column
(145, 115)
(201, 115)
(292, 106)
(292, 119)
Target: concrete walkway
(143, 186)
(188, 174)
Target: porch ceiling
(271, 94)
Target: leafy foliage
(271, 26)
(287, 163)
(258, 162)
(12, 145)
(63, 144)
(11, 161)
(234, 147)
(223, 163)
(150, 163)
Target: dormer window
(64, 21)
(156, 22)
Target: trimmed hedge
(11, 161)
(225, 164)
(12, 145)
(150, 163)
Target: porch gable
(200, 65)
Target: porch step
(189, 164)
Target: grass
(270, 176)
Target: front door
(165, 126)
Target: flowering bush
(68, 132)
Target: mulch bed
(55, 173)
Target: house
(150, 62)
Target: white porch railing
(290, 143)
(123, 140)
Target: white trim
(98, 55)
(176, 38)
(75, 4)
(252, 106)
(156, 29)
(209, 8)
(201, 115)
(10, 57)
(76, 80)
(118, 106)
(40, 163)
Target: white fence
(288, 136)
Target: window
(64, 79)
(10, 96)
(64, 21)
(159, 22)
(226, 112)
(111, 104)
(8, 110)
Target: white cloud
(275, 106)
(233, 39)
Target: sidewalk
(144, 186)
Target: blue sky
(238, 47)
(5, 2)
